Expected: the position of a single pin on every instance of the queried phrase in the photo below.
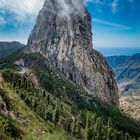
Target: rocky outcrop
(62, 34)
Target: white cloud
(94, 1)
(114, 6)
(22, 9)
(67, 9)
(2, 21)
(27, 10)
(115, 25)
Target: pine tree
(109, 123)
(78, 128)
(48, 115)
(87, 126)
(108, 134)
(74, 127)
(98, 125)
(127, 136)
(56, 115)
(44, 93)
(97, 137)
(48, 99)
(114, 135)
(68, 125)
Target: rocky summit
(62, 34)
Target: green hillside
(7, 48)
(44, 104)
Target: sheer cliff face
(63, 35)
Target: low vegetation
(59, 108)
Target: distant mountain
(127, 71)
(7, 48)
(118, 51)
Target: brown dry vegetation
(131, 106)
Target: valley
(127, 73)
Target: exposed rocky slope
(127, 71)
(131, 106)
(62, 34)
(7, 48)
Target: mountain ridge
(7, 48)
(64, 37)
(58, 90)
(61, 83)
(127, 69)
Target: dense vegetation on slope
(63, 105)
(17, 120)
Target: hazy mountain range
(7, 48)
(127, 73)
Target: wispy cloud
(25, 10)
(94, 1)
(2, 21)
(114, 5)
(21, 9)
(115, 25)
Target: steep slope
(131, 106)
(127, 71)
(62, 34)
(65, 107)
(17, 120)
(7, 48)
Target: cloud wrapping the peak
(27, 10)
(66, 10)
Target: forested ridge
(67, 111)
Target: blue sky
(115, 23)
